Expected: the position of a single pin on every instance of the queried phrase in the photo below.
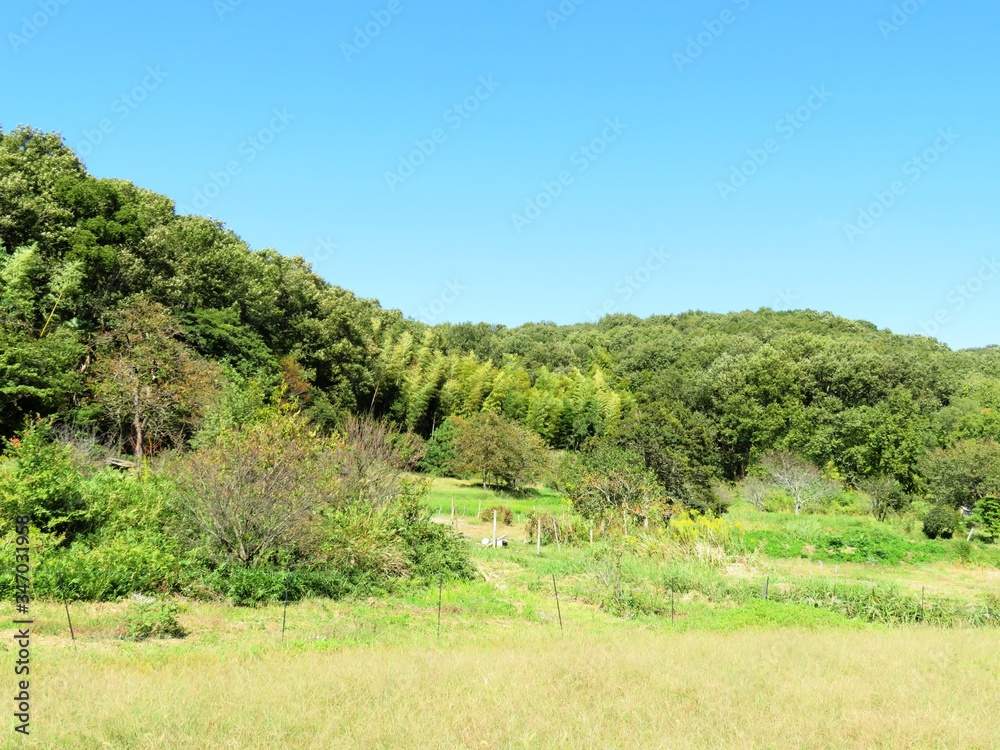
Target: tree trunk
(138, 439)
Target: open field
(525, 687)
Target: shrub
(964, 550)
(44, 482)
(145, 620)
(941, 522)
(504, 514)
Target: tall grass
(528, 689)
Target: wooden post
(440, 593)
(673, 613)
(494, 529)
(767, 582)
(555, 525)
(591, 532)
(558, 608)
(539, 536)
(284, 612)
(62, 591)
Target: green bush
(505, 515)
(964, 550)
(145, 620)
(43, 481)
(941, 522)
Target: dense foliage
(144, 333)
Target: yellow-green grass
(503, 673)
(958, 580)
(469, 497)
(525, 687)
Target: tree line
(129, 322)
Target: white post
(494, 528)
(539, 536)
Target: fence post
(558, 608)
(440, 593)
(539, 536)
(495, 545)
(62, 591)
(767, 582)
(284, 611)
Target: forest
(162, 383)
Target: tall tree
(149, 385)
(499, 449)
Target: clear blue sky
(534, 85)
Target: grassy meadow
(681, 652)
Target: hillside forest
(183, 413)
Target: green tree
(440, 455)
(886, 495)
(612, 481)
(147, 384)
(987, 517)
(499, 449)
(963, 473)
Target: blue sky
(524, 161)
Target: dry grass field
(508, 685)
